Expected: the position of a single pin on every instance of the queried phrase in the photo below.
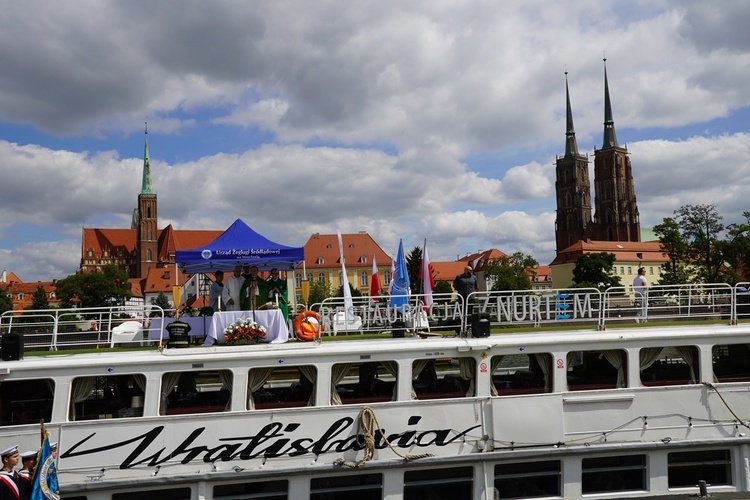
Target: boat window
(521, 374)
(686, 467)
(113, 396)
(26, 401)
(668, 365)
(164, 494)
(593, 370)
(260, 490)
(443, 378)
(363, 486)
(528, 480)
(607, 474)
(369, 382)
(455, 483)
(280, 387)
(731, 363)
(196, 392)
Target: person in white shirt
(640, 288)
(232, 287)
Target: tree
(510, 273)
(442, 286)
(163, 301)
(355, 291)
(39, 300)
(98, 289)
(413, 261)
(701, 229)
(319, 291)
(594, 270)
(6, 302)
(672, 243)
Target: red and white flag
(374, 282)
(425, 273)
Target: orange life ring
(308, 326)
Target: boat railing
(70, 328)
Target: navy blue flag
(400, 282)
(44, 486)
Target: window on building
(609, 474)
(360, 486)
(321, 278)
(309, 277)
(630, 270)
(26, 401)
(686, 467)
(592, 370)
(52, 295)
(341, 278)
(651, 270)
(320, 260)
(260, 490)
(280, 387)
(529, 479)
(521, 374)
(363, 278)
(196, 392)
(114, 396)
(622, 269)
(297, 280)
(363, 259)
(370, 382)
(148, 255)
(668, 365)
(386, 277)
(20, 296)
(443, 378)
(455, 483)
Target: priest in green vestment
(278, 292)
(254, 291)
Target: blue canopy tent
(237, 246)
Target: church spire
(610, 137)
(146, 185)
(571, 146)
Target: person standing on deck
(640, 288)
(216, 292)
(278, 292)
(26, 474)
(465, 284)
(254, 293)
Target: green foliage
(674, 272)
(318, 292)
(355, 291)
(595, 270)
(509, 273)
(443, 287)
(701, 229)
(412, 265)
(98, 289)
(39, 300)
(6, 302)
(163, 301)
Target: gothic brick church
(143, 250)
(614, 226)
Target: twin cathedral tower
(615, 215)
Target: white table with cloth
(212, 327)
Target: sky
(428, 119)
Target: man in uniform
(8, 477)
(25, 475)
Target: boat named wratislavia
(634, 400)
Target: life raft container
(308, 326)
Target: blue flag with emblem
(44, 485)
(400, 282)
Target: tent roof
(237, 246)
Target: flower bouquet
(244, 331)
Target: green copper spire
(146, 186)
(571, 146)
(610, 137)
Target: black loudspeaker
(398, 328)
(11, 346)
(178, 334)
(480, 325)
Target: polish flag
(425, 273)
(374, 281)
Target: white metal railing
(53, 329)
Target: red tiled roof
(625, 251)
(356, 246)
(447, 271)
(27, 290)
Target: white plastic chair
(129, 331)
(340, 324)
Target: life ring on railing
(308, 326)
